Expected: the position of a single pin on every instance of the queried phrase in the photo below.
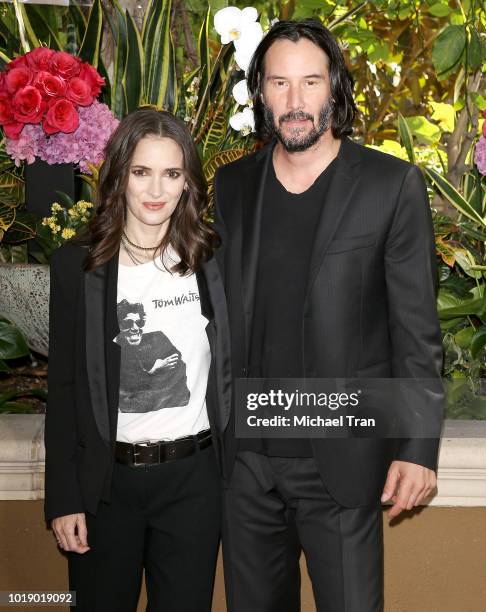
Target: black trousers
(275, 506)
(164, 519)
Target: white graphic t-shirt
(165, 355)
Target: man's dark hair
(341, 81)
(125, 308)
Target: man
(329, 267)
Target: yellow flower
(56, 207)
(55, 228)
(67, 233)
(73, 213)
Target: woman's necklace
(136, 246)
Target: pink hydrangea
(480, 155)
(85, 145)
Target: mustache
(295, 116)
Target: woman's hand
(71, 533)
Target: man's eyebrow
(306, 76)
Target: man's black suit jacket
(370, 307)
(84, 369)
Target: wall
(435, 559)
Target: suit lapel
(113, 350)
(252, 199)
(342, 187)
(102, 355)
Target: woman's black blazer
(84, 366)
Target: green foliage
(12, 344)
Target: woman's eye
(139, 172)
(173, 174)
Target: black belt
(153, 453)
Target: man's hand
(71, 533)
(407, 485)
(169, 362)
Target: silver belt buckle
(148, 444)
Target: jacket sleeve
(411, 278)
(62, 490)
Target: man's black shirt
(287, 234)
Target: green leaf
(448, 48)
(4, 366)
(453, 196)
(134, 68)
(118, 101)
(12, 342)
(464, 336)
(204, 53)
(439, 10)
(474, 54)
(423, 129)
(42, 27)
(406, 137)
(90, 47)
(478, 341)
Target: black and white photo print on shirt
(152, 371)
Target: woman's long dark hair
(341, 81)
(187, 233)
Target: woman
(131, 477)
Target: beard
(297, 141)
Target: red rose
(484, 128)
(79, 92)
(5, 108)
(39, 58)
(50, 85)
(17, 78)
(61, 117)
(3, 86)
(92, 78)
(12, 130)
(65, 65)
(28, 105)
(17, 62)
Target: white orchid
(243, 122)
(230, 22)
(241, 28)
(247, 43)
(240, 93)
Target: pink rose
(79, 92)
(5, 108)
(39, 58)
(28, 105)
(12, 130)
(17, 78)
(65, 65)
(50, 85)
(92, 78)
(61, 117)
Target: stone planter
(461, 475)
(24, 300)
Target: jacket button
(244, 371)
